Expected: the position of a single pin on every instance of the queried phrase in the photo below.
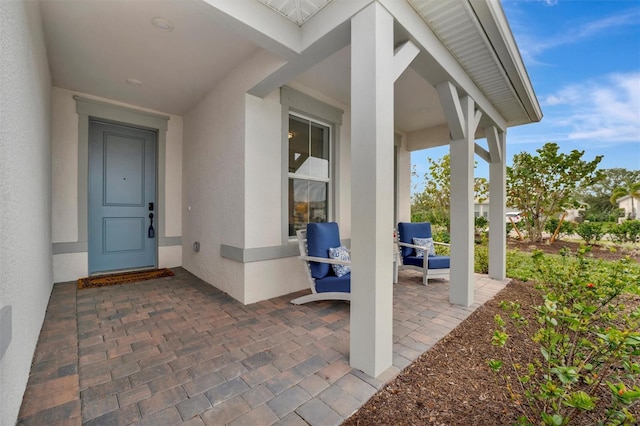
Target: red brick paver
(177, 350)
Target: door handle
(151, 233)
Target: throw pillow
(340, 253)
(427, 243)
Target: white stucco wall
(214, 176)
(628, 208)
(64, 182)
(263, 171)
(25, 193)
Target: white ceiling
(416, 104)
(95, 46)
(297, 11)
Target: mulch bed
(451, 384)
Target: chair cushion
(439, 262)
(332, 283)
(321, 237)
(407, 231)
(435, 262)
(340, 253)
(427, 243)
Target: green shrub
(590, 232)
(481, 222)
(519, 265)
(481, 259)
(441, 236)
(567, 228)
(632, 230)
(617, 234)
(588, 340)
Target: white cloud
(531, 46)
(605, 111)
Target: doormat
(123, 278)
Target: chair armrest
(413, 246)
(442, 244)
(324, 260)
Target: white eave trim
(494, 22)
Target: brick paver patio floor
(178, 351)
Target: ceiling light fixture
(162, 24)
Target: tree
(611, 179)
(542, 186)
(631, 189)
(597, 196)
(432, 204)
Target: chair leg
(424, 277)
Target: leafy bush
(588, 341)
(441, 236)
(520, 265)
(481, 259)
(627, 231)
(567, 228)
(433, 216)
(590, 232)
(481, 222)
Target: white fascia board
(496, 27)
(431, 46)
(261, 25)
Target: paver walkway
(178, 351)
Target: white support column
(497, 203)
(463, 120)
(372, 77)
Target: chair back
(320, 238)
(407, 231)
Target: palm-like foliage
(630, 189)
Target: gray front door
(122, 195)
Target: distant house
(630, 206)
(481, 208)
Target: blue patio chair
(315, 243)
(414, 238)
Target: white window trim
(329, 180)
(304, 106)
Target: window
(309, 179)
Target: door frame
(92, 237)
(115, 114)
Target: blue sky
(583, 59)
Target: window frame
(329, 180)
(304, 106)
